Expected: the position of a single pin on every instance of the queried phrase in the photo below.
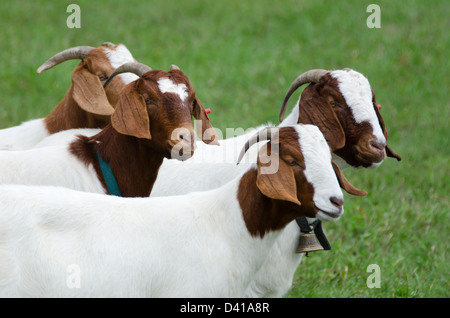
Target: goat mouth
(181, 150)
(369, 155)
(327, 214)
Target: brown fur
(140, 134)
(269, 211)
(323, 105)
(86, 104)
(270, 201)
(389, 151)
(134, 162)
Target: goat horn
(132, 67)
(108, 44)
(264, 134)
(311, 76)
(174, 67)
(74, 53)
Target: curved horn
(311, 76)
(108, 44)
(132, 67)
(74, 53)
(174, 67)
(264, 134)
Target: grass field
(241, 57)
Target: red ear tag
(207, 111)
(379, 106)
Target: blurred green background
(241, 57)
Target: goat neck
(133, 161)
(67, 115)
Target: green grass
(241, 57)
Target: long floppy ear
(131, 117)
(88, 92)
(345, 184)
(209, 135)
(322, 115)
(389, 151)
(279, 185)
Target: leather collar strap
(305, 227)
(108, 175)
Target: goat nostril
(378, 145)
(186, 138)
(337, 202)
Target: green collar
(108, 175)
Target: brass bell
(308, 243)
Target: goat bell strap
(108, 175)
(309, 242)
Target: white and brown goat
(204, 244)
(152, 121)
(342, 104)
(86, 104)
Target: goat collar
(108, 175)
(306, 227)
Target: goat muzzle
(182, 145)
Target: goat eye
(102, 77)
(333, 103)
(148, 101)
(295, 163)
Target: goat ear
(389, 151)
(323, 116)
(88, 92)
(345, 184)
(279, 185)
(209, 135)
(392, 154)
(131, 117)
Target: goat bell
(308, 243)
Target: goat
(354, 130)
(85, 105)
(204, 244)
(152, 121)
(343, 105)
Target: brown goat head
(158, 107)
(341, 103)
(87, 104)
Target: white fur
(53, 165)
(211, 167)
(24, 136)
(118, 56)
(358, 95)
(292, 118)
(195, 245)
(315, 169)
(166, 85)
(66, 136)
